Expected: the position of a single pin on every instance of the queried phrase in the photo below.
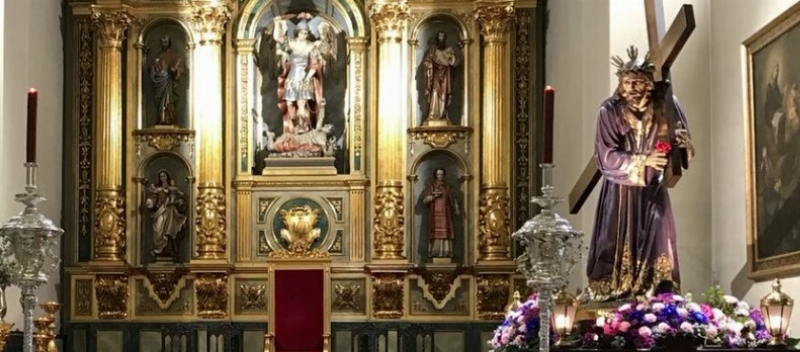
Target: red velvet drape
(299, 309)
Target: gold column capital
(389, 19)
(209, 22)
(112, 23)
(244, 46)
(493, 19)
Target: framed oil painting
(772, 126)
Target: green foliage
(715, 297)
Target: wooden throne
(299, 305)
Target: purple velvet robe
(633, 246)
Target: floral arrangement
(672, 320)
(520, 329)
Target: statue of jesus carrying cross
(642, 142)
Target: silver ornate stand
(33, 240)
(552, 248)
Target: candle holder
(552, 248)
(51, 308)
(32, 237)
(42, 338)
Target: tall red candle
(30, 150)
(549, 100)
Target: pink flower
(640, 307)
(518, 341)
(686, 327)
(650, 318)
(608, 330)
(658, 307)
(683, 312)
(624, 326)
(711, 331)
(615, 323)
(645, 332)
(693, 307)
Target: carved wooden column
(209, 25)
(109, 230)
(495, 241)
(389, 19)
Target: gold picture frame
(772, 135)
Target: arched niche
(165, 75)
(179, 172)
(456, 176)
(272, 109)
(438, 35)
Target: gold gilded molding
(389, 222)
(387, 295)
(389, 19)
(494, 224)
(493, 20)
(163, 139)
(165, 287)
(111, 291)
(110, 240)
(85, 145)
(493, 294)
(212, 295)
(299, 253)
(245, 218)
(357, 219)
(439, 137)
(255, 297)
(211, 222)
(346, 297)
(209, 22)
(244, 49)
(111, 25)
(359, 46)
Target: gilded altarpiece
(207, 138)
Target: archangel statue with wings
(301, 55)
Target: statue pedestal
(299, 166)
(439, 260)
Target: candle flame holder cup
(552, 249)
(33, 238)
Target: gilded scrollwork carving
(212, 295)
(440, 137)
(494, 224)
(111, 291)
(439, 287)
(388, 291)
(111, 26)
(493, 21)
(389, 221)
(390, 19)
(522, 175)
(255, 297)
(165, 287)
(83, 297)
(346, 297)
(211, 222)
(164, 139)
(209, 22)
(110, 240)
(85, 145)
(288, 254)
(493, 294)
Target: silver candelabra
(32, 237)
(552, 248)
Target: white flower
(600, 322)
(711, 331)
(650, 318)
(687, 327)
(658, 307)
(645, 332)
(677, 298)
(744, 306)
(661, 328)
(730, 299)
(625, 307)
(742, 312)
(734, 327)
(750, 324)
(694, 307)
(683, 312)
(718, 314)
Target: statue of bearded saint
(439, 63)
(633, 248)
(166, 72)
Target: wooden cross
(664, 49)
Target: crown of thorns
(635, 65)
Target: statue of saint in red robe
(442, 206)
